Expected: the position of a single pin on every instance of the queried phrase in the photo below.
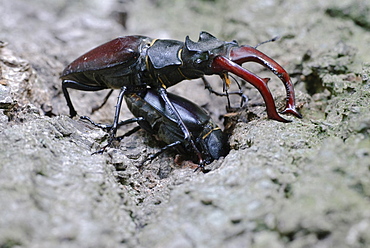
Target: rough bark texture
(299, 184)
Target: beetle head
(210, 55)
(199, 55)
(215, 145)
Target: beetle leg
(208, 86)
(77, 86)
(163, 149)
(244, 54)
(107, 127)
(244, 98)
(222, 64)
(96, 108)
(134, 130)
(187, 136)
(114, 127)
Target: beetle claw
(109, 144)
(201, 168)
(221, 64)
(244, 54)
(293, 111)
(100, 151)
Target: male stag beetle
(154, 116)
(133, 63)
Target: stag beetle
(154, 116)
(133, 63)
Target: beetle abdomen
(109, 64)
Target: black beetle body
(157, 119)
(154, 116)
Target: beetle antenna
(267, 41)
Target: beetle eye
(202, 58)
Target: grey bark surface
(299, 184)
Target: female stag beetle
(133, 63)
(153, 115)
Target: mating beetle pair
(134, 63)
